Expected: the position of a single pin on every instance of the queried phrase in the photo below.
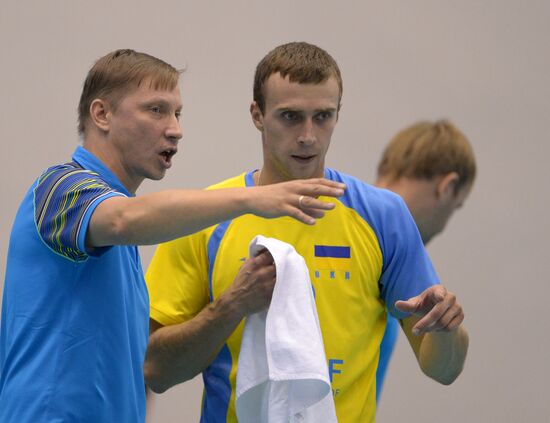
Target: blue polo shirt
(75, 322)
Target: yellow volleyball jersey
(362, 256)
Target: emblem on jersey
(336, 260)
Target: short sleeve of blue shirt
(407, 270)
(65, 197)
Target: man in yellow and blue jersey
(365, 259)
(75, 312)
(431, 165)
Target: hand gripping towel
(282, 371)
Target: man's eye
(323, 116)
(178, 114)
(290, 116)
(155, 109)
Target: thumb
(409, 306)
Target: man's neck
(101, 148)
(266, 177)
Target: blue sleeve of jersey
(407, 270)
(65, 197)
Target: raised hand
(438, 307)
(297, 199)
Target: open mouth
(168, 154)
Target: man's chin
(157, 176)
(307, 174)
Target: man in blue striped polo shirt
(75, 308)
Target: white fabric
(282, 373)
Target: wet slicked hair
(429, 149)
(117, 72)
(303, 63)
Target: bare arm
(436, 334)
(179, 352)
(162, 216)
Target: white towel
(282, 372)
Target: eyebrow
(161, 101)
(299, 110)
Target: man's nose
(307, 134)
(174, 130)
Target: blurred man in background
(431, 165)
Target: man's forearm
(442, 354)
(162, 216)
(178, 353)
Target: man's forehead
(147, 91)
(279, 91)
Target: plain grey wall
(485, 65)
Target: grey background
(484, 64)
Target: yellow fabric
(351, 314)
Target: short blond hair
(113, 74)
(304, 63)
(428, 149)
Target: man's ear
(257, 116)
(446, 187)
(100, 114)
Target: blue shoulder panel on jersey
(406, 269)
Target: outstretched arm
(163, 216)
(436, 333)
(179, 352)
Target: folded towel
(282, 372)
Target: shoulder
(366, 199)
(65, 197)
(234, 182)
(61, 170)
(69, 181)
(382, 210)
(66, 177)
